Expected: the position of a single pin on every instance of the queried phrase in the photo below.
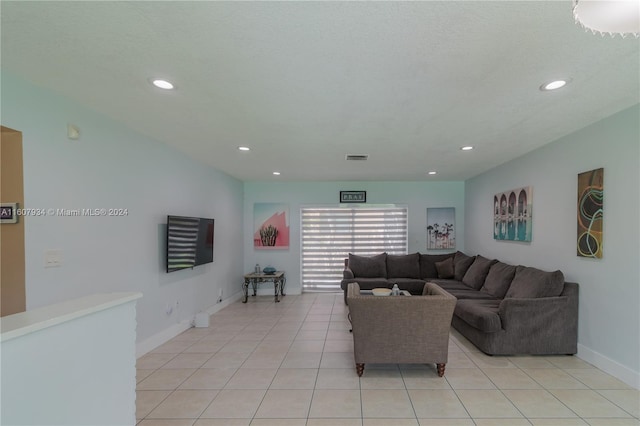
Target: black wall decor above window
(353, 196)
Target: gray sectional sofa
(502, 309)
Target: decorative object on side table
(269, 270)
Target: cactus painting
(271, 226)
(268, 235)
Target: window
(329, 234)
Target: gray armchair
(401, 329)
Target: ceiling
(303, 84)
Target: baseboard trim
(169, 333)
(158, 339)
(609, 366)
(226, 302)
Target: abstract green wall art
(590, 212)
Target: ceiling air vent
(352, 157)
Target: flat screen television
(189, 242)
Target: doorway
(12, 263)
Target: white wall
(416, 195)
(111, 166)
(609, 321)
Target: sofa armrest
(347, 274)
(543, 320)
(531, 312)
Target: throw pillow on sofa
(461, 264)
(531, 283)
(368, 266)
(445, 268)
(477, 272)
(499, 279)
(403, 266)
(428, 264)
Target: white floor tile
(436, 403)
(235, 403)
(386, 403)
(588, 403)
(538, 403)
(488, 404)
(292, 364)
(285, 404)
(340, 403)
(183, 404)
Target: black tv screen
(189, 242)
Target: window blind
(329, 234)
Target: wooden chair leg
(360, 369)
(440, 369)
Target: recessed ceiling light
(467, 148)
(244, 148)
(432, 173)
(553, 85)
(162, 84)
(276, 173)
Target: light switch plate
(52, 258)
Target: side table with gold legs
(277, 278)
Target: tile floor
(291, 364)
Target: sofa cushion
(368, 266)
(469, 293)
(406, 265)
(428, 264)
(367, 283)
(412, 285)
(449, 284)
(445, 268)
(531, 283)
(499, 279)
(480, 314)
(477, 272)
(461, 263)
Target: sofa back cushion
(445, 268)
(531, 283)
(461, 263)
(477, 272)
(368, 266)
(403, 266)
(499, 279)
(428, 264)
